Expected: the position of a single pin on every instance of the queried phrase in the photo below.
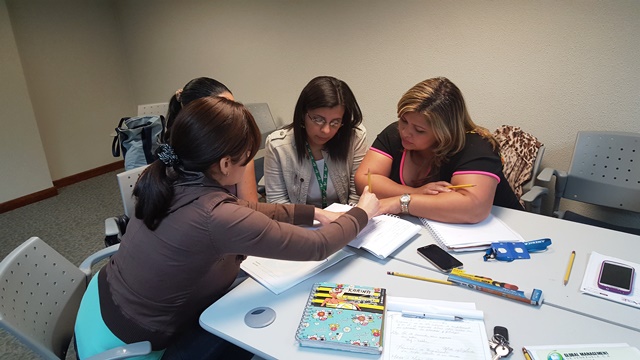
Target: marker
(420, 278)
(460, 186)
(526, 354)
(369, 180)
(569, 267)
(423, 315)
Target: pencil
(526, 354)
(569, 267)
(460, 186)
(369, 179)
(419, 278)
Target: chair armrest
(533, 198)
(546, 174)
(111, 227)
(124, 352)
(86, 265)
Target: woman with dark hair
(184, 247)
(434, 145)
(197, 88)
(314, 159)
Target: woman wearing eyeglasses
(314, 159)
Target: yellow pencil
(420, 278)
(369, 180)
(569, 267)
(460, 186)
(526, 354)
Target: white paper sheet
(433, 339)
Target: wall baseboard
(69, 180)
(53, 191)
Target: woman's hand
(325, 216)
(369, 203)
(433, 188)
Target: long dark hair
(204, 132)
(326, 91)
(193, 90)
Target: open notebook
(470, 237)
(383, 234)
(432, 338)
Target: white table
(546, 270)
(527, 325)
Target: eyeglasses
(320, 121)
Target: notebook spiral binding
(436, 235)
(306, 312)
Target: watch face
(405, 198)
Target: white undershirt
(314, 197)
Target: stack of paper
(280, 275)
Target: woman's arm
(274, 182)
(255, 233)
(247, 188)
(381, 184)
(467, 205)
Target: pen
(420, 278)
(460, 186)
(423, 315)
(569, 267)
(526, 354)
(369, 179)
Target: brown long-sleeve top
(159, 282)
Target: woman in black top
(434, 145)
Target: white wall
(551, 67)
(77, 76)
(24, 166)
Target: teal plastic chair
(41, 294)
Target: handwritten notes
(424, 339)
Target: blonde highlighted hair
(442, 103)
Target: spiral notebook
(470, 237)
(383, 234)
(343, 317)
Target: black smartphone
(439, 258)
(616, 277)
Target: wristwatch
(404, 203)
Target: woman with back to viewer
(433, 145)
(183, 248)
(197, 88)
(314, 159)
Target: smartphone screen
(438, 257)
(616, 277)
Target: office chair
(41, 294)
(116, 226)
(521, 155)
(262, 115)
(604, 171)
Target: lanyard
(322, 181)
